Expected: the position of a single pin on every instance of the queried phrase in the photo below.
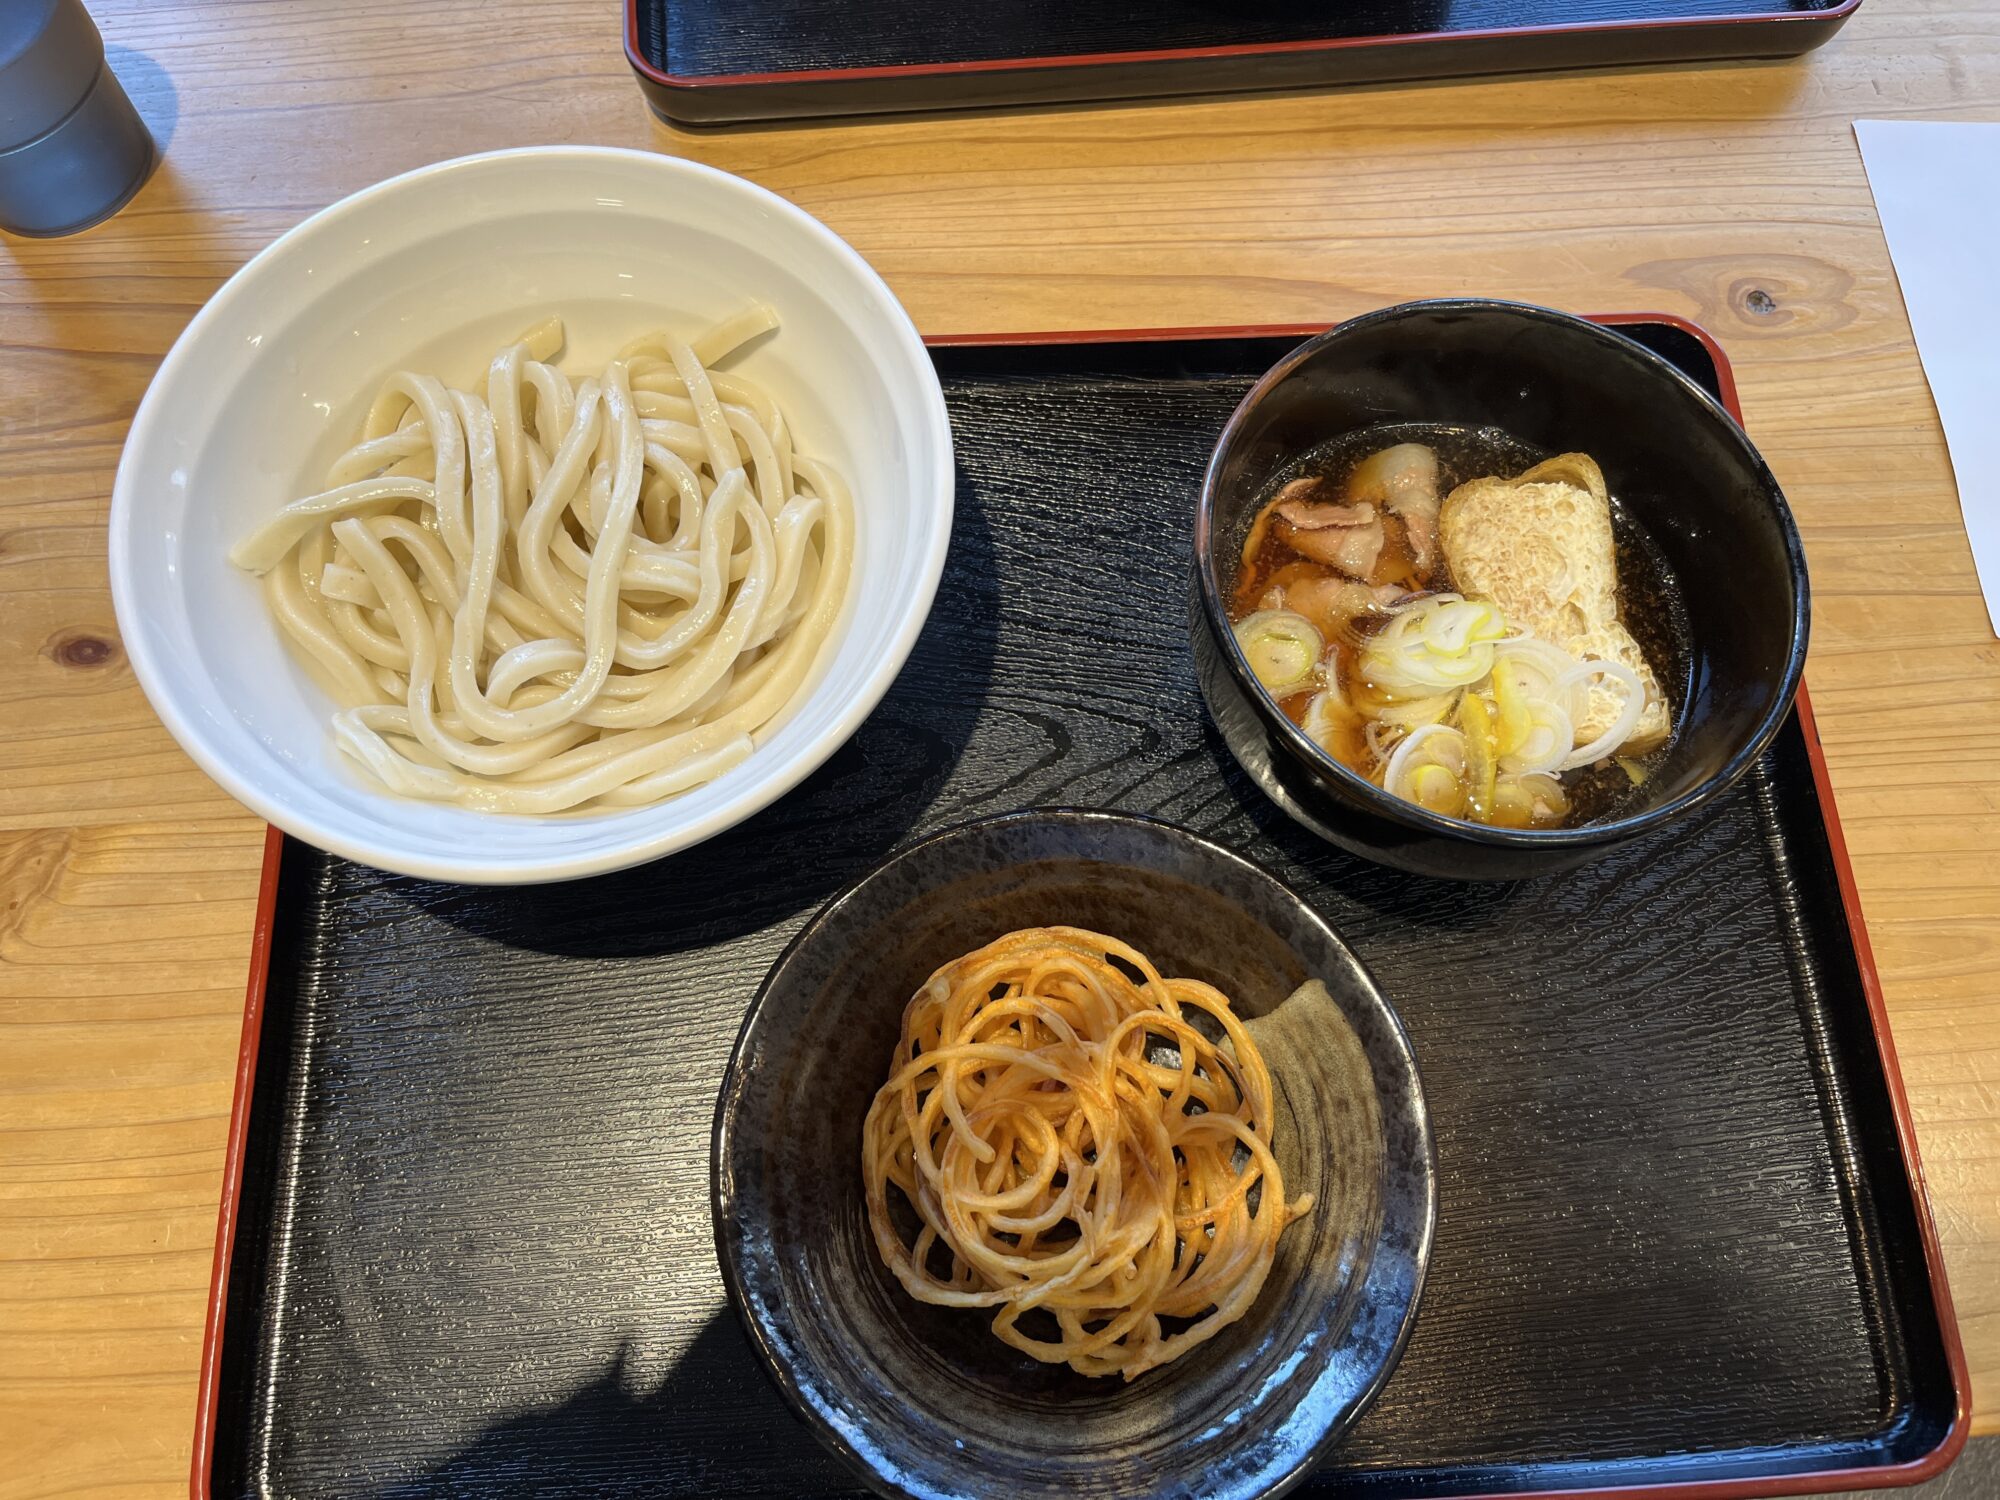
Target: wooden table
(1732, 194)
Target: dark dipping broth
(1649, 599)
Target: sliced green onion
(1326, 717)
(1433, 646)
(1550, 739)
(1434, 745)
(1628, 716)
(1436, 790)
(1283, 648)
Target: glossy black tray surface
(706, 61)
(1676, 1239)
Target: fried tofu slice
(1540, 546)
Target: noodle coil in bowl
(1113, 1304)
(532, 515)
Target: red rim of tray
(1819, 1482)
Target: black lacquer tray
(465, 1246)
(712, 61)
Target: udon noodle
(1078, 1142)
(545, 594)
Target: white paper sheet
(1937, 189)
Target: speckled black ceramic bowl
(1678, 466)
(925, 1401)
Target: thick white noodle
(544, 594)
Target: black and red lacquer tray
(1682, 1241)
(713, 61)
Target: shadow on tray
(714, 1425)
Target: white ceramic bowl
(433, 271)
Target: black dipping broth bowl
(927, 1401)
(1675, 462)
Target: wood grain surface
(1733, 194)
